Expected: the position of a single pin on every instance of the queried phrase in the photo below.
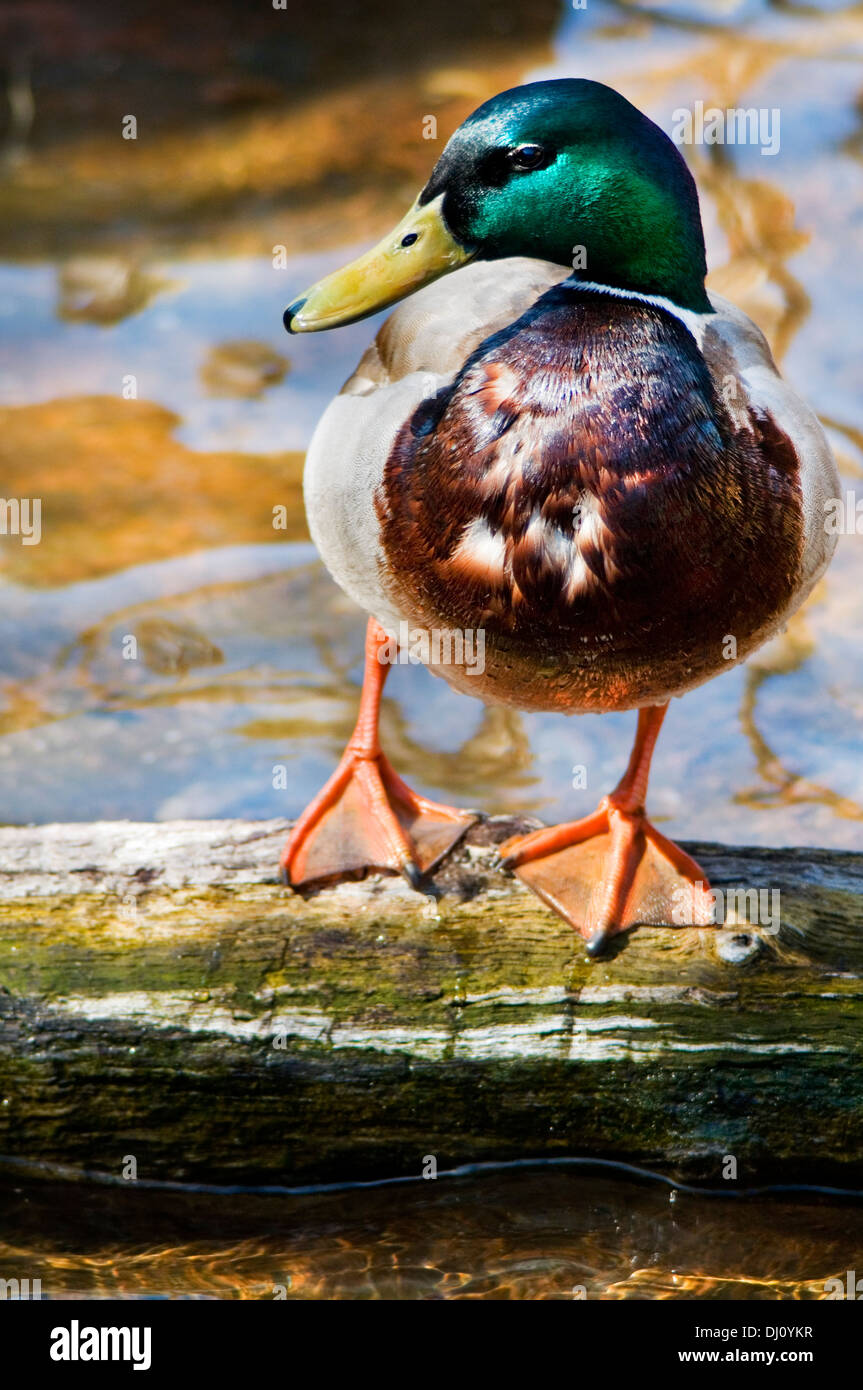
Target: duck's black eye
(410, 238)
(527, 157)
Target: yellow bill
(420, 249)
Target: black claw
(284, 875)
(597, 943)
(420, 884)
(414, 875)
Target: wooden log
(162, 996)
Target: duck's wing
(761, 402)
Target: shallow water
(542, 1234)
(157, 522)
(158, 511)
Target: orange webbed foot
(366, 817)
(614, 870)
(611, 871)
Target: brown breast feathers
(581, 493)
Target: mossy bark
(162, 996)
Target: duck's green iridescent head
(566, 171)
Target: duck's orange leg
(366, 817)
(613, 869)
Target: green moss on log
(235, 1032)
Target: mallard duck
(568, 445)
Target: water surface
(157, 511)
(540, 1234)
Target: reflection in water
(531, 1235)
(102, 290)
(758, 221)
(198, 462)
(241, 651)
(245, 369)
(780, 786)
(164, 647)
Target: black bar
(233, 1337)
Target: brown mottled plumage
(604, 519)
